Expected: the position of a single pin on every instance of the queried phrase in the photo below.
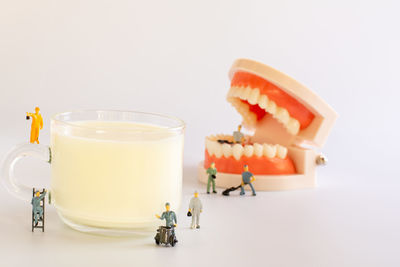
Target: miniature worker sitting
(169, 216)
(238, 136)
(195, 208)
(37, 124)
(212, 175)
(247, 178)
(37, 210)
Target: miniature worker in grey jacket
(36, 208)
(195, 208)
(169, 216)
(238, 136)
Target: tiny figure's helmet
(167, 204)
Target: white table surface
(348, 220)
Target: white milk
(115, 179)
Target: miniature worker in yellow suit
(37, 125)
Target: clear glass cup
(111, 171)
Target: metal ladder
(42, 204)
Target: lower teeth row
(238, 150)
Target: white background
(172, 57)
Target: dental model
(287, 119)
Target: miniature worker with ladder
(38, 208)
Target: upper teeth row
(237, 150)
(249, 118)
(253, 97)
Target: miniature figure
(212, 175)
(37, 124)
(195, 208)
(166, 234)
(238, 136)
(247, 178)
(38, 208)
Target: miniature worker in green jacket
(169, 216)
(212, 175)
(36, 208)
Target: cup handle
(10, 182)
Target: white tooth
(258, 149)
(293, 126)
(242, 94)
(233, 101)
(239, 91)
(232, 92)
(271, 107)
(236, 91)
(227, 150)
(282, 115)
(210, 147)
(217, 149)
(269, 150)
(253, 97)
(246, 93)
(281, 151)
(263, 101)
(237, 151)
(248, 151)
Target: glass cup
(111, 171)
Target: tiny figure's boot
(208, 186)
(198, 226)
(242, 191)
(252, 189)
(213, 186)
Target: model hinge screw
(321, 160)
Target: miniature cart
(165, 235)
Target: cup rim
(56, 118)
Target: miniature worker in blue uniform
(238, 137)
(212, 175)
(169, 216)
(36, 208)
(247, 178)
(195, 208)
